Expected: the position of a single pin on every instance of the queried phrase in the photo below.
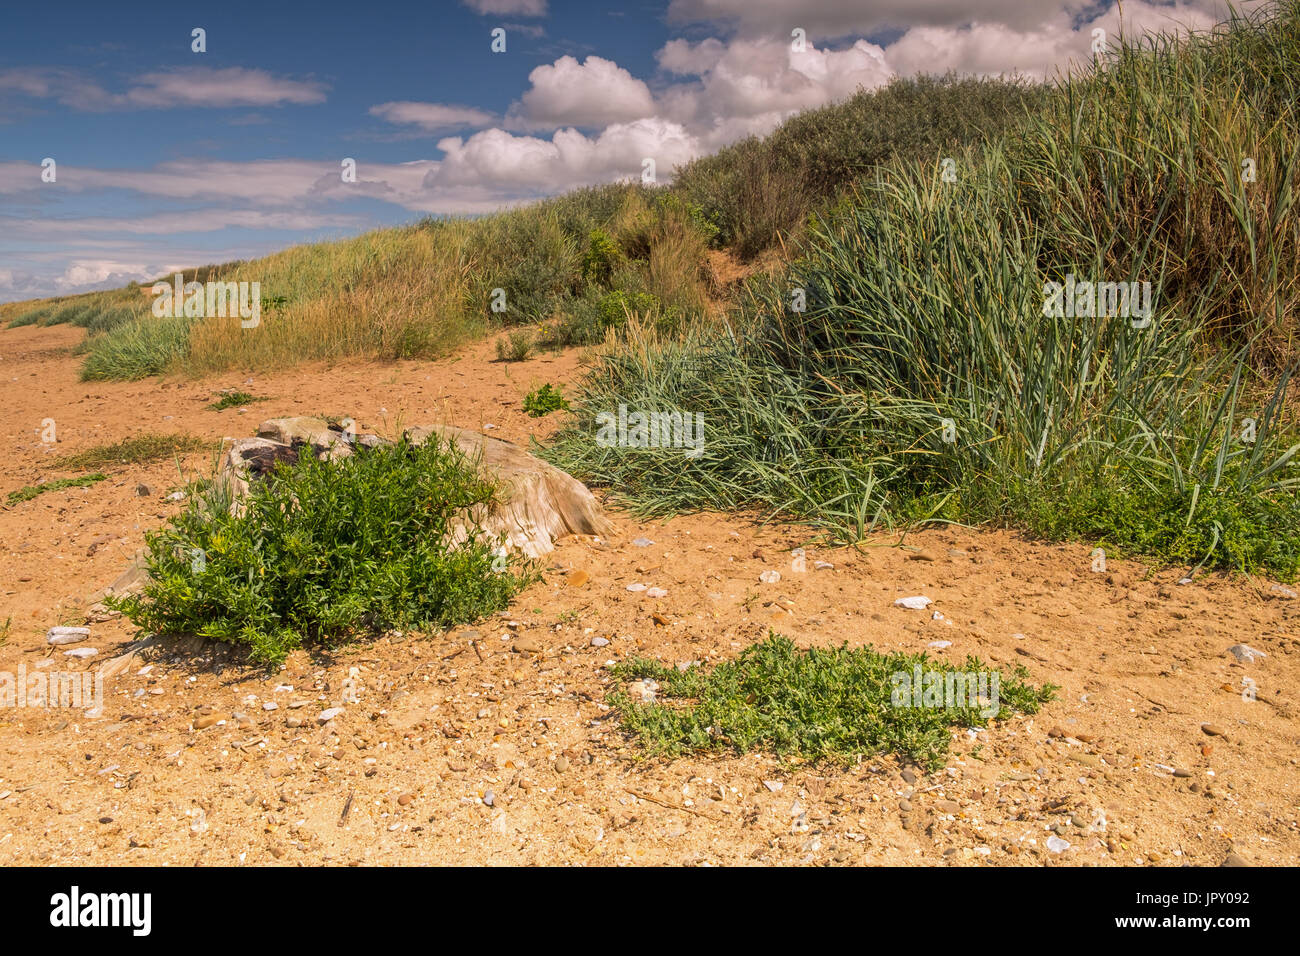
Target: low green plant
(835, 703)
(544, 400)
(31, 491)
(234, 399)
(323, 551)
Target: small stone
(66, 635)
(105, 820)
(1056, 844)
(405, 800)
(948, 806)
(1234, 859)
(656, 593)
(636, 587)
(209, 720)
(578, 578)
(325, 716)
(144, 491)
(905, 806)
(918, 603)
(270, 705)
(1078, 821)
(1245, 653)
(774, 785)
(823, 566)
(1181, 773)
(939, 645)
(528, 645)
(770, 577)
(489, 798)
(81, 653)
(561, 763)
(909, 776)
(1214, 730)
(600, 642)
(642, 542)
(1281, 591)
(925, 554)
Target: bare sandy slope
(401, 775)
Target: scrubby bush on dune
(325, 550)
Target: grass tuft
(137, 450)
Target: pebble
(325, 716)
(1056, 844)
(656, 593)
(143, 491)
(1245, 653)
(918, 603)
(909, 776)
(774, 785)
(81, 653)
(561, 763)
(770, 577)
(905, 806)
(270, 705)
(925, 554)
(1179, 772)
(600, 642)
(489, 798)
(642, 542)
(948, 806)
(823, 566)
(636, 587)
(1234, 859)
(405, 800)
(940, 645)
(209, 720)
(578, 578)
(1213, 730)
(66, 635)
(528, 645)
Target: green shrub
(601, 259)
(544, 400)
(325, 550)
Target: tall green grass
(923, 379)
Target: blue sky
(166, 157)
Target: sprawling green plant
(834, 703)
(323, 550)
